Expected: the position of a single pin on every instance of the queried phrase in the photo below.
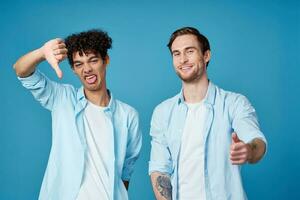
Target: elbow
(20, 72)
(15, 67)
(17, 70)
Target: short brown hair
(203, 41)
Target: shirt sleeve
(160, 157)
(245, 122)
(134, 144)
(42, 89)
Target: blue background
(255, 51)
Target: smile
(186, 68)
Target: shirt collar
(81, 98)
(209, 97)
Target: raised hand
(240, 152)
(54, 52)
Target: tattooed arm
(258, 148)
(161, 162)
(162, 187)
(249, 143)
(241, 152)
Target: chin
(185, 77)
(92, 87)
(188, 79)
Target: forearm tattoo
(253, 146)
(163, 185)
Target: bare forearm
(27, 63)
(162, 187)
(258, 148)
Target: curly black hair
(95, 40)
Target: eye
(190, 51)
(77, 65)
(175, 54)
(94, 61)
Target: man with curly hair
(96, 139)
(201, 136)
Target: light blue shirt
(65, 167)
(227, 112)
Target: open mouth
(186, 68)
(91, 79)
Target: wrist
(41, 53)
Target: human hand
(240, 152)
(55, 51)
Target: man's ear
(107, 60)
(206, 56)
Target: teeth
(89, 77)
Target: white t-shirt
(191, 158)
(95, 184)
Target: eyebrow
(92, 57)
(191, 47)
(175, 51)
(186, 48)
(77, 62)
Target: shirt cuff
(32, 79)
(162, 168)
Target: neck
(98, 97)
(195, 91)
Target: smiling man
(201, 136)
(96, 138)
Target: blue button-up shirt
(65, 167)
(227, 112)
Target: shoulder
(125, 108)
(168, 102)
(229, 97)
(166, 106)
(232, 102)
(66, 90)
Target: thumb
(235, 138)
(58, 71)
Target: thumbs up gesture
(240, 152)
(54, 52)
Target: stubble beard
(194, 77)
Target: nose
(183, 58)
(87, 68)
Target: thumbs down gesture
(54, 52)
